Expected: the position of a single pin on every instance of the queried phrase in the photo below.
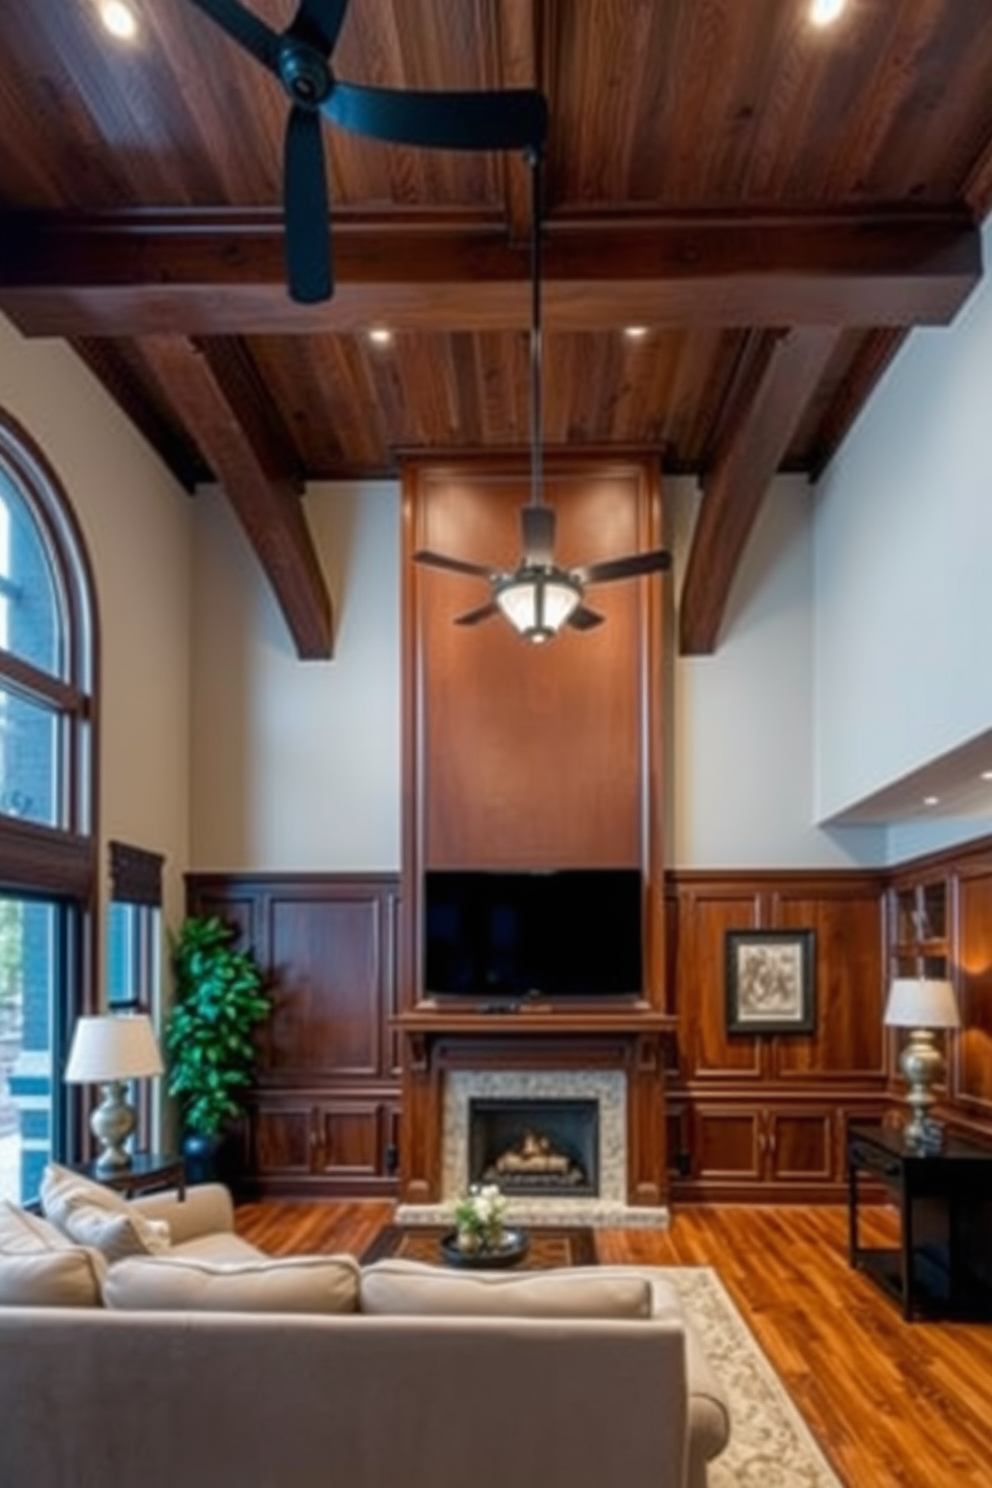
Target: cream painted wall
(296, 764)
(135, 521)
(741, 737)
(902, 543)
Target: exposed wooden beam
(106, 363)
(733, 493)
(877, 353)
(212, 273)
(213, 395)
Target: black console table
(942, 1266)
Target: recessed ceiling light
(823, 12)
(119, 19)
(381, 336)
(635, 333)
(987, 774)
(931, 800)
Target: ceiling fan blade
(245, 28)
(318, 22)
(454, 565)
(582, 618)
(473, 617)
(538, 528)
(631, 567)
(511, 119)
(307, 209)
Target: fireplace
(608, 1165)
(535, 1148)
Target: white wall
(296, 764)
(741, 735)
(902, 551)
(135, 521)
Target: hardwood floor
(893, 1405)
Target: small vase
(469, 1242)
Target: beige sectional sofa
(208, 1365)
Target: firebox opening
(535, 1147)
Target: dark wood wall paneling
(746, 1117)
(766, 1115)
(324, 1115)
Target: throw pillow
(414, 1289)
(24, 1233)
(116, 1236)
(92, 1214)
(39, 1268)
(298, 1284)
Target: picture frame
(770, 981)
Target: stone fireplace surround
(621, 1069)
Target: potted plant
(219, 1000)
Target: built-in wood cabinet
(919, 921)
(766, 1113)
(323, 1116)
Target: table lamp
(110, 1049)
(921, 1004)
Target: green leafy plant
(219, 1001)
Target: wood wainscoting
(756, 1118)
(324, 1115)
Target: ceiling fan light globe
(537, 602)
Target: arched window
(47, 841)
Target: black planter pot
(206, 1158)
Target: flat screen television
(506, 936)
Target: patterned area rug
(770, 1444)
(548, 1246)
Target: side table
(147, 1171)
(941, 1267)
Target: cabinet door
(282, 1137)
(728, 1143)
(356, 1139)
(798, 1145)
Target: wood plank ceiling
(776, 203)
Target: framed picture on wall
(770, 981)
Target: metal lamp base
(923, 1065)
(112, 1123)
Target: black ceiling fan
(299, 57)
(539, 596)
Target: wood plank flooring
(892, 1404)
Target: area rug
(770, 1444)
(548, 1245)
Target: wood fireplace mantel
(639, 1042)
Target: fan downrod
(304, 74)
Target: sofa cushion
(307, 1284)
(412, 1288)
(40, 1268)
(92, 1214)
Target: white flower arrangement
(479, 1215)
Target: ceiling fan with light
(540, 596)
(299, 57)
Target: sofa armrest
(207, 1209)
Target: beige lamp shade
(112, 1046)
(921, 1002)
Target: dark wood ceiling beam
(213, 395)
(104, 360)
(735, 489)
(196, 273)
(876, 355)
